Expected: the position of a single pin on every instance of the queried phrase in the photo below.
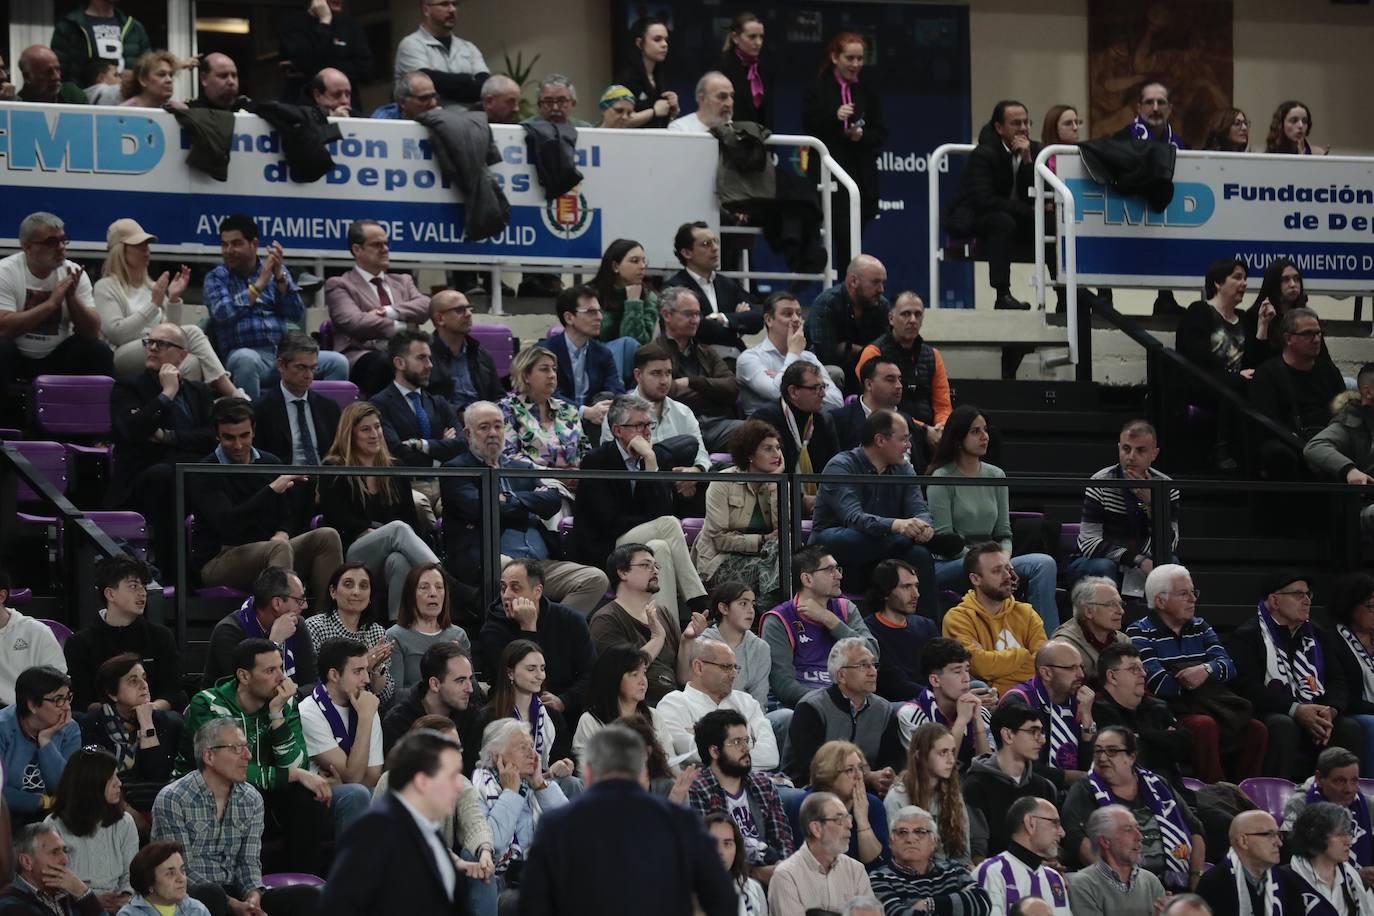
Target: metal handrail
(1065, 204)
(934, 162)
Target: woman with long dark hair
(655, 106)
(619, 684)
(353, 617)
(518, 684)
(744, 64)
(1289, 130)
(424, 618)
(847, 115)
(978, 514)
(1228, 132)
(628, 308)
(730, 844)
(101, 837)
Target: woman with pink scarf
(752, 74)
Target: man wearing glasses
(917, 880)
(1022, 871)
(587, 376)
(159, 419)
(1295, 390)
(819, 876)
(1096, 622)
(456, 66)
(48, 321)
(730, 783)
(1065, 705)
(37, 735)
(1165, 746)
(709, 689)
(1187, 667)
(275, 611)
(996, 781)
(1247, 881)
(368, 305)
(556, 99)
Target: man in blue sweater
(863, 524)
(893, 594)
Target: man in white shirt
(715, 105)
(760, 368)
(455, 66)
(819, 875)
(368, 305)
(653, 380)
(710, 688)
(343, 732)
(25, 642)
(48, 321)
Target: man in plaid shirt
(730, 785)
(251, 301)
(216, 816)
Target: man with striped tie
(1021, 871)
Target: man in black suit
(882, 383)
(586, 367)
(294, 421)
(991, 203)
(159, 418)
(808, 435)
(591, 856)
(727, 309)
(392, 860)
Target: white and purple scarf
(1173, 829)
(1361, 838)
(1141, 131)
(1273, 903)
(1302, 673)
(1062, 749)
(344, 734)
(247, 616)
(1363, 657)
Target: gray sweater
(1092, 893)
(102, 859)
(754, 662)
(411, 645)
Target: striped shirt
(1116, 524)
(219, 850)
(947, 883)
(1164, 652)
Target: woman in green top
(979, 514)
(628, 309)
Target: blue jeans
(1366, 753)
(1037, 570)
(1080, 567)
(250, 367)
(348, 802)
(482, 896)
(859, 553)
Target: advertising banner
(93, 165)
(1316, 210)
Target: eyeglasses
(1307, 335)
(556, 102)
(239, 749)
(1241, 122)
(56, 241)
(1301, 595)
(743, 741)
(1033, 730)
(597, 312)
(1109, 752)
(838, 818)
(152, 343)
(1077, 667)
(837, 569)
(863, 666)
(906, 833)
(819, 386)
(300, 602)
(62, 699)
(1111, 604)
(724, 667)
(1154, 103)
(650, 564)
(1132, 669)
(1267, 834)
(644, 425)
(1053, 820)
(1185, 592)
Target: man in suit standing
(368, 306)
(586, 367)
(392, 860)
(590, 856)
(727, 310)
(462, 371)
(294, 422)
(991, 203)
(159, 418)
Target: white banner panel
(93, 165)
(1319, 211)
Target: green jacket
(74, 44)
(67, 94)
(638, 318)
(274, 751)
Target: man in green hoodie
(98, 30)
(262, 700)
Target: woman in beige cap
(130, 303)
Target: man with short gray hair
(556, 100)
(48, 321)
(591, 856)
(700, 378)
(715, 105)
(862, 905)
(819, 875)
(923, 875)
(1337, 780)
(501, 99)
(43, 884)
(1115, 884)
(848, 710)
(1295, 390)
(415, 94)
(1095, 624)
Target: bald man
(1186, 905)
(219, 83)
(1254, 857)
(715, 105)
(42, 74)
(848, 317)
(159, 418)
(332, 93)
(501, 99)
(463, 370)
(1065, 704)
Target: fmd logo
(1193, 205)
(114, 144)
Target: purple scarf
(1141, 131)
(925, 702)
(344, 735)
(1362, 849)
(1302, 672)
(1062, 749)
(536, 733)
(1173, 829)
(252, 629)
(755, 81)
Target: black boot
(1005, 300)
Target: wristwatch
(148, 733)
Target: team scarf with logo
(1058, 895)
(1302, 673)
(535, 717)
(344, 734)
(247, 616)
(925, 702)
(1173, 829)
(1361, 839)
(1062, 749)
(1141, 131)
(1273, 905)
(1362, 656)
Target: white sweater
(24, 643)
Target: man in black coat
(318, 37)
(591, 856)
(882, 389)
(991, 203)
(280, 409)
(392, 861)
(159, 419)
(421, 430)
(727, 309)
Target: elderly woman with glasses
(1322, 879)
(839, 767)
(131, 304)
(1172, 847)
(919, 881)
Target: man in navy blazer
(580, 314)
(279, 430)
(393, 860)
(414, 440)
(727, 309)
(591, 856)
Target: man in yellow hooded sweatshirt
(1001, 633)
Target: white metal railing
(934, 162)
(1064, 212)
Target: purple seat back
(326, 333)
(289, 878)
(691, 529)
(1195, 784)
(1068, 539)
(19, 597)
(499, 343)
(850, 398)
(341, 392)
(1269, 792)
(50, 460)
(59, 629)
(73, 405)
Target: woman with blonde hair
(839, 767)
(148, 83)
(931, 781)
(540, 427)
(130, 304)
(375, 516)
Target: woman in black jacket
(1353, 614)
(742, 61)
(654, 105)
(375, 516)
(143, 740)
(847, 116)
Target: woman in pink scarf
(742, 61)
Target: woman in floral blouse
(539, 426)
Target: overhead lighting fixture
(225, 25)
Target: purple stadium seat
(720, 458)
(565, 527)
(326, 333)
(48, 459)
(691, 529)
(806, 530)
(290, 878)
(341, 392)
(73, 405)
(1039, 515)
(1068, 541)
(51, 460)
(20, 597)
(59, 629)
(1269, 793)
(500, 344)
(1194, 784)
(850, 398)
(1367, 787)
(554, 331)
